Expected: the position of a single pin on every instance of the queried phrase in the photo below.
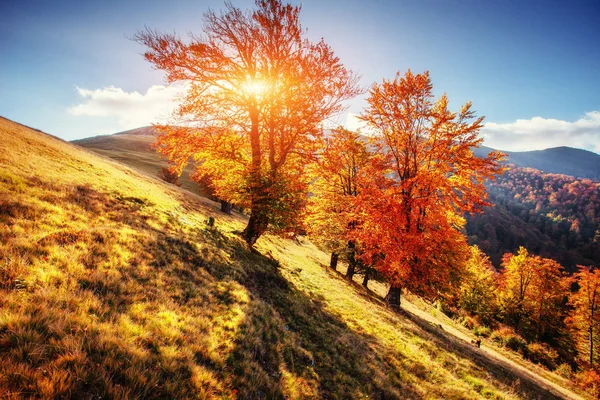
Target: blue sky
(531, 67)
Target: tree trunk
(334, 260)
(351, 269)
(255, 144)
(392, 299)
(366, 278)
(351, 260)
(259, 220)
(226, 207)
(257, 225)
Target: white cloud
(131, 109)
(540, 133)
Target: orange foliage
(590, 381)
(329, 217)
(534, 291)
(258, 94)
(423, 178)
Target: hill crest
(563, 160)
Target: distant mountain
(143, 131)
(558, 160)
(548, 202)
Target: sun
(254, 87)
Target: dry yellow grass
(113, 286)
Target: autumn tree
(517, 276)
(426, 176)
(477, 294)
(329, 217)
(258, 92)
(533, 294)
(585, 316)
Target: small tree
(425, 175)
(335, 185)
(258, 94)
(477, 294)
(533, 294)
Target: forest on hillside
(555, 216)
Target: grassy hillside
(134, 148)
(113, 286)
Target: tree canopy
(425, 176)
(258, 94)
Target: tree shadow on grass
(289, 346)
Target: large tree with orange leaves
(258, 94)
(426, 177)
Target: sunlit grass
(112, 285)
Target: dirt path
(498, 365)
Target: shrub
(482, 331)
(469, 322)
(590, 381)
(540, 353)
(169, 176)
(499, 336)
(564, 370)
(516, 343)
(508, 338)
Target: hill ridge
(579, 163)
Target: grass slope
(134, 148)
(113, 286)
